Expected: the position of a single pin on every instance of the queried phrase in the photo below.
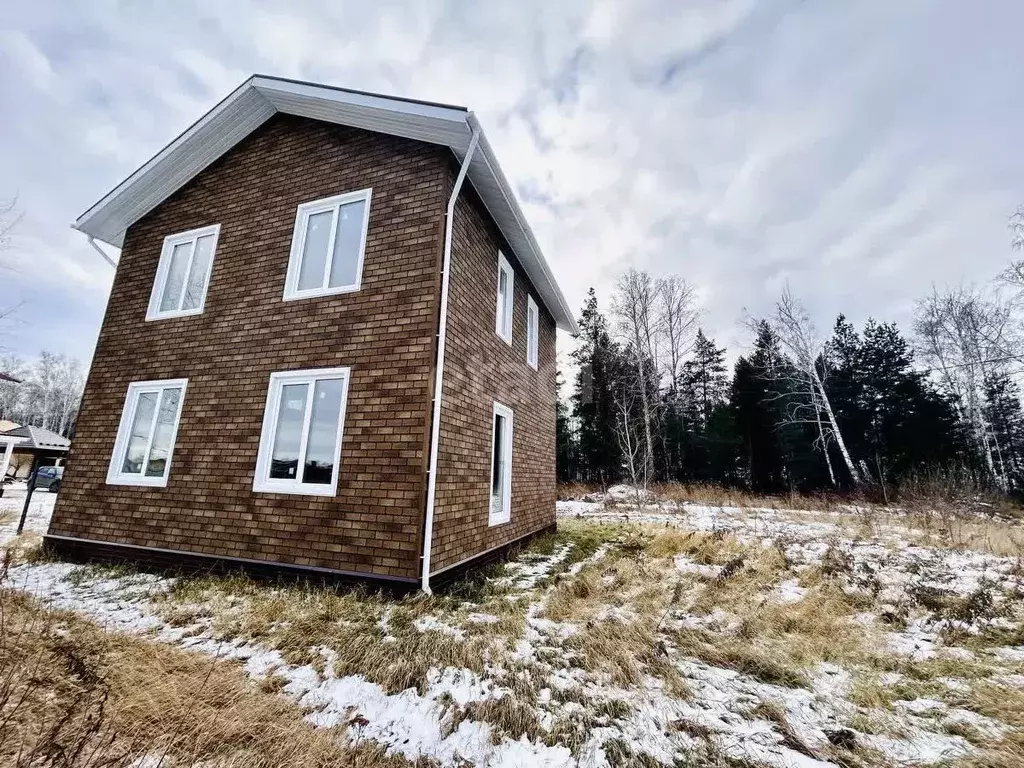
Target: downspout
(442, 335)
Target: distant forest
(652, 399)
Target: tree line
(653, 399)
(47, 393)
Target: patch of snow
(40, 509)
(1009, 653)
(921, 706)
(482, 618)
(434, 624)
(790, 591)
(686, 565)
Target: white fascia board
(527, 249)
(259, 98)
(88, 222)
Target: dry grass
(620, 601)
(370, 634)
(75, 696)
(704, 547)
(983, 522)
(718, 496)
(1007, 752)
(992, 536)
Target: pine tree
(770, 451)
(597, 358)
(566, 446)
(704, 379)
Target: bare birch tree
(47, 395)
(630, 436)
(804, 347)
(965, 335)
(634, 307)
(9, 217)
(677, 316)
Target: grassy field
(679, 633)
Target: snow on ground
(912, 587)
(11, 504)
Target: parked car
(49, 478)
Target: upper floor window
(327, 246)
(532, 327)
(503, 317)
(300, 446)
(146, 435)
(183, 273)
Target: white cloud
(860, 151)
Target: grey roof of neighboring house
(260, 97)
(37, 438)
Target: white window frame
(262, 482)
(532, 333)
(131, 402)
(504, 305)
(506, 490)
(302, 216)
(153, 312)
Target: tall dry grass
(75, 696)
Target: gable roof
(260, 97)
(37, 437)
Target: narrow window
(327, 246)
(145, 437)
(501, 466)
(503, 318)
(183, 273)
(300, 446)
(532, 323)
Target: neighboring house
(281, 317)
(21, 446)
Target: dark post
(28, 492)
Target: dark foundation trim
(90, 550)
(455, 571)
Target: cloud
(859, 151)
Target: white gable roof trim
(260, 97)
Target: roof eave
(260, 97)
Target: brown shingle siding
(385, 332)
(480, 368)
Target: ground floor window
(146, 435)
(501, 466)
(300, 446)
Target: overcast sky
(859, 150)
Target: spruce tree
(597, 358)
(566, 448)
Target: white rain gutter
(442, 336)
(100, 251)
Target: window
(145, 437)
(183, 273)
(503, 319)
(327, 246)
(532, 323)
(300, 447)
(501, 466)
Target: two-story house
(329, 347)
